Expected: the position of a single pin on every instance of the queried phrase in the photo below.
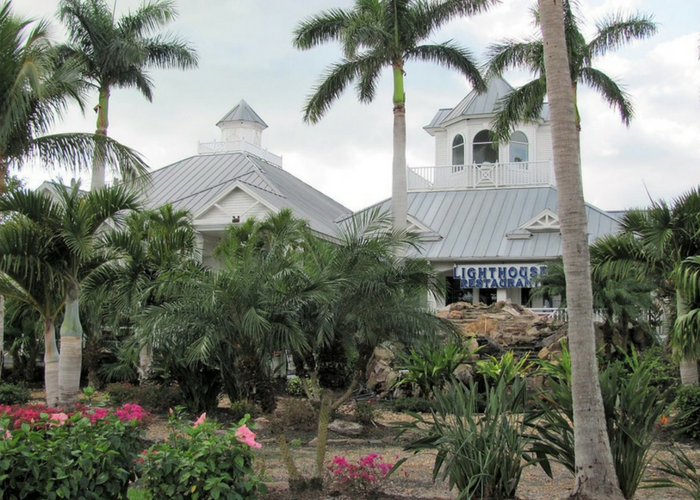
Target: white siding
(237, 203)
(543, 143)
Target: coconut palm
(34, 89)
(525, 103)
(375, 34)
(595, 471)
(76, 223)
(116, 53)
(688, 324)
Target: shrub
(294, 388)
(11, 394)
(155, 398)
(505, 367)
(197, 461)
(683, 471)
(482, 456)
(687, 404)
(243, 407)
(430, 364)
(297, 414)
(633, 407)
(365, 476)
(364, 413)
(59, 456)
(414, 405)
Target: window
(484, 149)
(518, 147)
(457, 153)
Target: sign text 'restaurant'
(498, 276)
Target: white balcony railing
(485, 175)
(212, 148)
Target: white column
(501, 294)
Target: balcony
(212, 148)
(483, 176)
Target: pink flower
(7, 435)
(246, 436)
(58, 418)
(200, 420)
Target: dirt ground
(413, 481)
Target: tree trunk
(595, 471)
(99, 160)
(689, 363)
(71, 351)
(399, 194)
(51, 362)
(145, 361)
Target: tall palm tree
(76, 224)
(116, 53)
(595, 470)
(35, 87)
(525, 103)
(375, 34)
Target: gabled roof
(242, 112)
(475, 224)
(476, 104)
(196, 183)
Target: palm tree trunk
(399, 195)
(98, 160)
(71, 351)
(51, 362)
(595, 472)
(689, 364)
(145, 361)
(2, 334)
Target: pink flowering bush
(49, 453)
(198, 461)
(366, 475)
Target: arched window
(457, 152)
(483, 148)
(518, 147)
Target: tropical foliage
(525, 103)
(112, 53)
(378, 34)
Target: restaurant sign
(498, 275)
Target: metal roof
(476, 104)
(242, 112)
(196, 183)
(474, 224)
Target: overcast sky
(245, 52)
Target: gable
(237, 203)
(544, 222)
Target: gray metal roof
(473, 224)
(476, 104)
(197, 182)
(242, 112)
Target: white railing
(212, 148)
(485, 175)
(562, 314)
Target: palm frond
(452, 56)
(619, 29)
(610, 90)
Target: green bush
(11, 394)
(414, 405)
(243, 407)
(364, 413)
(294, 388)
(484, 455)
(684, 474)
(154, 398)
(687, 405)
(297, 415)
(430, 364)
(633, 407)
(198, 461)
(71, 459)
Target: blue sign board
(498, 276)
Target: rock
(463, 373)
(345, 428)
(261, 423)
(544, 353)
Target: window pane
(518, 152)
(483, 148)
(458, 150)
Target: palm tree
(375, 34)
(525, 103)
(34, 89)
(76, 223)
(688, 324)
(653, 244)
(595, 470)
(116, 53)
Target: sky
(245, 52)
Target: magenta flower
(246, 436)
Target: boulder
(345, 428)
